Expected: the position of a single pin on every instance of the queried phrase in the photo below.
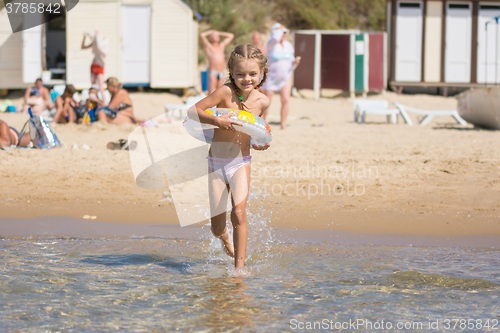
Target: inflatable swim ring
(253, 125)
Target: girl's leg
(285, 93)
(269, 94)
(218, 192)
(240, 184)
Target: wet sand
(377, 178)
(58, 226)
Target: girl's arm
(264, 103)
(197, 111)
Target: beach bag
(41, 134)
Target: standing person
(100, 46)
(229, 156)
(257, 42)
(282, 63)
(215, 55)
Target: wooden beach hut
(353, 61)
(151, 43)
(440, 43)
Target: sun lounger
(362, 107)
(182, 108)
(429, 114)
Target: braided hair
(245, 52)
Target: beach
(322, 172)
(361, 227)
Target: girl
(229, 155)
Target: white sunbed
(429, 114)
(362, 107)
(182, 108)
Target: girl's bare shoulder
(225, 94)
(226, 90)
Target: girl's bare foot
(241, 272)
(226, 243)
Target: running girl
(229, 155)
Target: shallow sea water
(160, 284)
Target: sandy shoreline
(440, 180)
(57, 226)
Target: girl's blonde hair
(245, 52)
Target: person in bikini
(229, 156)
(9, 136)
(120, 109)
(214, 50)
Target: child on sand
(229, 155)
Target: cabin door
(458, 42)
(409, 41)
(32, 54)
(136, 44)
(488, 43)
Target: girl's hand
(224, 122)
(264, 147)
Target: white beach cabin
(151, 43)
(443, 43)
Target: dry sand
(441, 180)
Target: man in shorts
(214, 50)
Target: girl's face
(246, 74)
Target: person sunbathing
(64, 106)
(38, 98)
(120, 109)
(35, 102)
(9, 136)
